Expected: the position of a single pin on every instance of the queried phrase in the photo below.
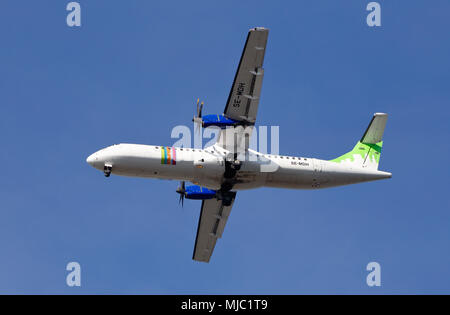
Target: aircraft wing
(211, 224)
(243, 100)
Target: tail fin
(367, 151)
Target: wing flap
(222, 220)
(251, 108)
(211, 224)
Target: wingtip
(259, 28)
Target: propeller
(198, 119)
(181, 190)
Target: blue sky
(134, 70)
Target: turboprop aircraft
(219, 171)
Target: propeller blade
(198, 118)
(198, 100)
(201, 109)
(181, 190)
(181, 200)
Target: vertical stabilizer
(367, 151)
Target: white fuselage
(206, 167)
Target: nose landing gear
(107, 170)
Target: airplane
(219, 171)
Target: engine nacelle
(199, 193)
(219, 121)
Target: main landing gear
(225, 196)
(107, 170)
(227, 199)
(236, 165)
(232, 166)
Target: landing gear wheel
(107, 170)
(236, 165)
(227, 201)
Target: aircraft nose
(91, 159)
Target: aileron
(242, 103)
